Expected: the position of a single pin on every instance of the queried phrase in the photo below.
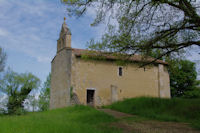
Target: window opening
(120, 71)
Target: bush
(192, 94)
(183, 77)
(1, 111)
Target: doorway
(90, 97)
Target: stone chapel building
(75, 80)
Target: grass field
(179, 110)
(78, 119)
(83, 119)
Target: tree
(2, 65)
(45, 94)
(183, 77)
(17, 87)
(31, 103)
(2, 59)
(142, 25)
(3, 102)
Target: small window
(120, 71)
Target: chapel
(99, 80)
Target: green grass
(179, 110)
(78, 119)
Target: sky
(29, 30)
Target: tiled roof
(110, 56)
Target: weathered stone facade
(98, 82)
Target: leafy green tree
(17, 87)
(2, 59)
(3, 102)
(2, 65)
(31, 103)
(45, 94)
(142, 25)
(183, 78)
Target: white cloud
(3, 32)
(25, 27)
(29, 30)
(44, 59)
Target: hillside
(178, 110)
(78, 119)
(147, 116)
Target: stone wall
(61, 79)
(102, 76)
(164, 83)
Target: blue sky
(29, 30)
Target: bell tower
(64, 40)
(61, 70)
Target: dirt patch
(116, 114)
(154, 127)
(146, 126)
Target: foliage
(17, 87)
(45, 94)
(3, 103)
(181, 110)
(31, 102)
(71, 92)
(192, 93)
(2, 59)
(77, 119)
(138, 26)
(183, 77)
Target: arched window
(120, 71)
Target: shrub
(192, 94)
